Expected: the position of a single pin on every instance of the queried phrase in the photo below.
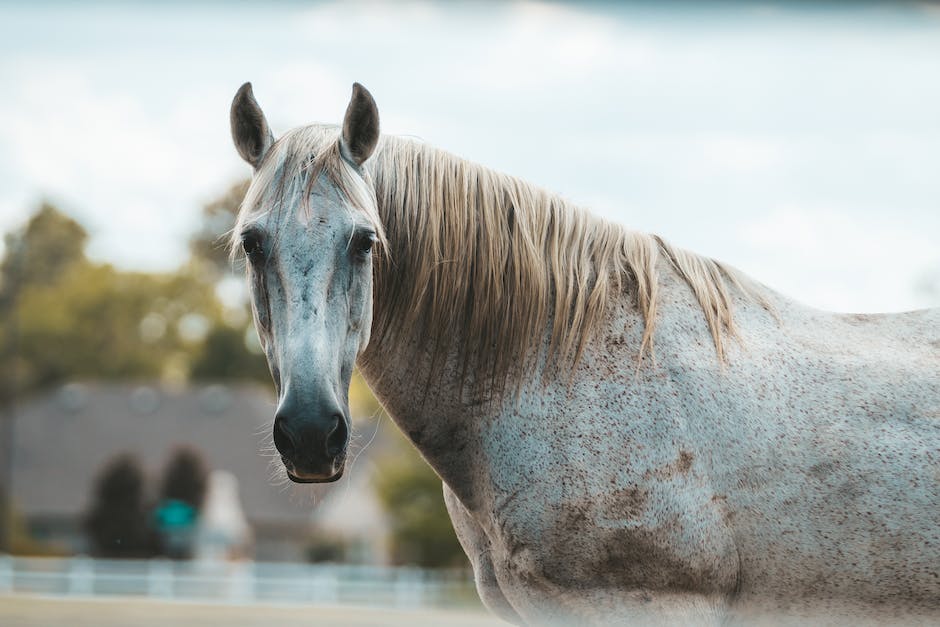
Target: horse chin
(311, 478)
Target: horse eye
(362, 243)
(253, 247)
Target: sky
(798, 142)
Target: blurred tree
(327, 548)
(66, 317)
(117, 522)
(225, 356)
(362, 403)
(43, 249)
(21, 542)
(94, 321)
(47, 246)
(209, 244)
(412, 496)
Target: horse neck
(418, 377)
(423, 397)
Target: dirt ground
(29, 611)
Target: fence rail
(238, 582)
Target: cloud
(840, 261)
(544, 47)
(741, 153)
(718, 131)
(132, 176)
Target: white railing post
(325, 586)
(81, 576)
(6, 574)
(421, 586)
(160, 578)
(408, 587)
(242, 582)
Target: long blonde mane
(484, 264)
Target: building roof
(64, 438)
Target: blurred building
(63, 438)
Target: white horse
(626, 432)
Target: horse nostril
(282, 438)
(336, 437)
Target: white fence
(238, 582)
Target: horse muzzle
(312, 445)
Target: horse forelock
(285, 179)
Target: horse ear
(250, 129)
(360, 126)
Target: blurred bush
(21, 542)
(412, 496)
(117, 524)
(327, 548)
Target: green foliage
(327, 548)
(92, 323)
(42, 250)
(411, 494)
(224, 356)
(218, 217)
(48, 246)
(20, 540)
(362, 403)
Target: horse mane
(483, 263)
(495, 261)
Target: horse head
(307, 229)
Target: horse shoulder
(633, 549)
(597, 496)
(476, 545)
